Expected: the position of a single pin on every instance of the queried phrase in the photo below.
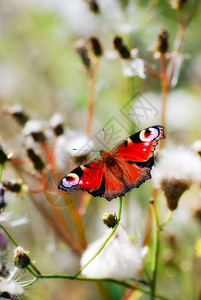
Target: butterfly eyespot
(70, 180)
(149, 134)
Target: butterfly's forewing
(85, 177)
(140, 146)
(133, 162)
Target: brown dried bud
(121, 47)
(20, 117)
(12, 186)
(58, 130)
(83, 53)
(162, 43)
(93, 6)
(96, 46)
(173, 190)
(38, 136)
(17, 112)
(36, 159)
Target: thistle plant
(147, 243)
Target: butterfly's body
(115, 173)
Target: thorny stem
(106, 241)
(155, 248)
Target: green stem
(167, 219)
(9, 235)
(106, 241)
(35, 268)
(31, 271)
(155, 249)
(30, 282)
(125, 283)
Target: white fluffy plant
(175, 171)
(119, 259)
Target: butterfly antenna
(86, 150)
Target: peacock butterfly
(115, 173)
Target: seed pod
(21, 259)
(121, 47)
(83, 53)
(162, 42)
(36, 159)
(93, 6)
(96, 46)
(109, 219)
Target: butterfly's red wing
(134, 159)
(85, 177)
(140, 146)
(117, 172)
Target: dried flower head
(36, 159)
(162, 42)
(56, 123)
(83, 53)
(35, 128)
(121, 48)
(175, 171)
(13, 185)
(93, 6)
(96, 46)
(21, 258)
(110, 220)
(17, 112)
(119, 259)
